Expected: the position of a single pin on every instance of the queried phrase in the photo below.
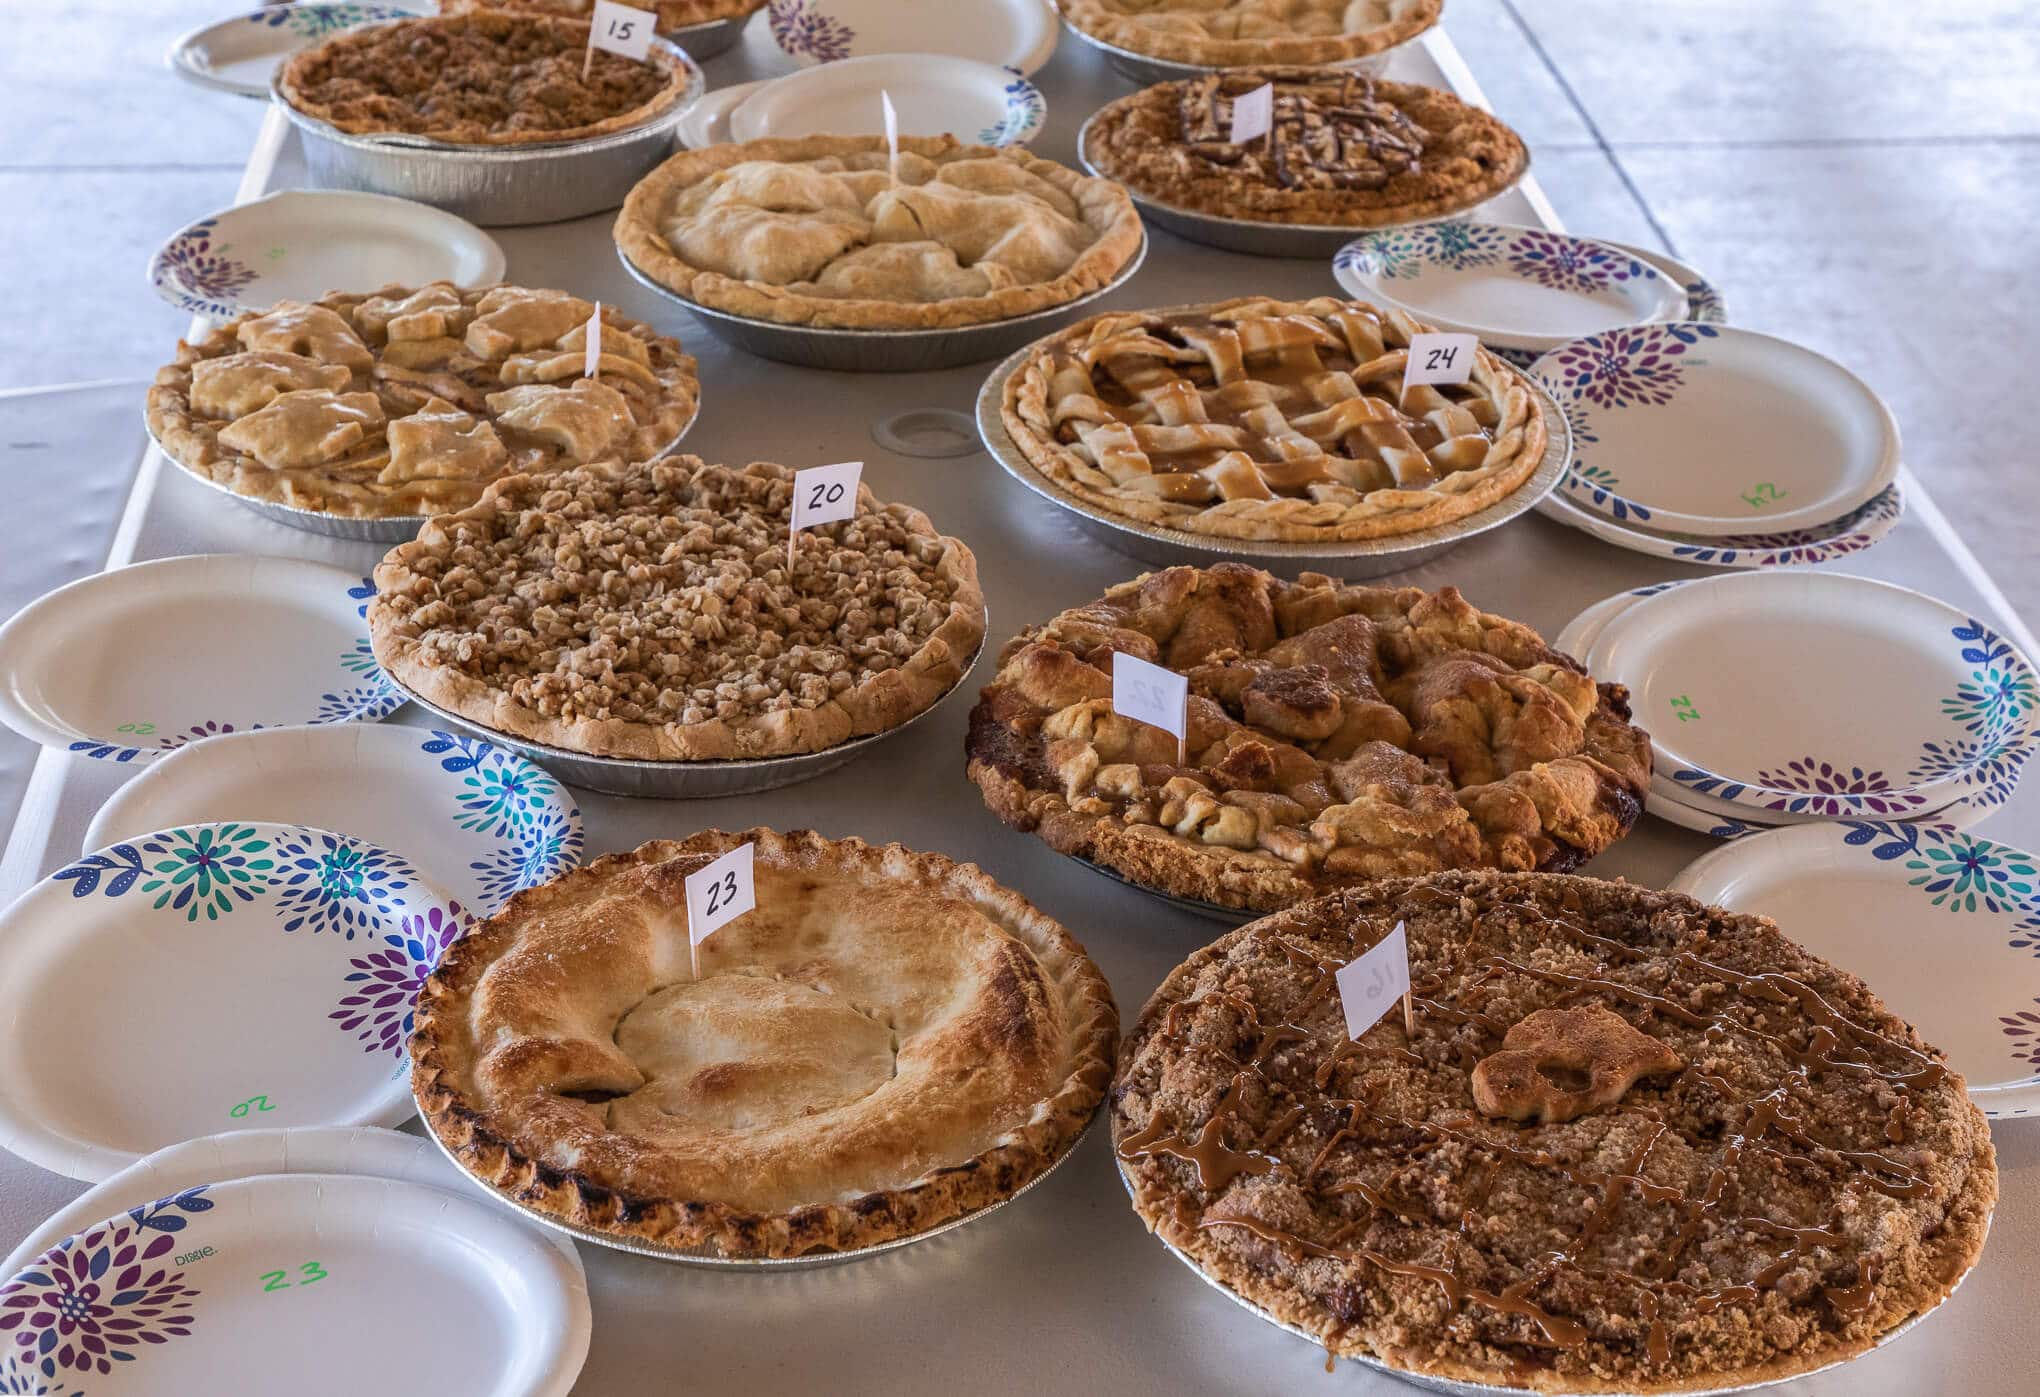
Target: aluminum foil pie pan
(699, 780)
(711, 38)
(1146, 70)
(1260, 238)
(1356, 558)
(1460, 1388)
(497, 186)
(886, 351)
(1196, 907)
(707, 1259)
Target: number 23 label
(719, 893)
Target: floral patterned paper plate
(124, 666)
(1016, 34)
(240, 55)
(301, 243)
(477, 819)
(1943, 925)
(1852, 533)
(1515, 287)
(1823, 694)
(1706, 429)
(205, 977)
(933, 95)
(297, 1283)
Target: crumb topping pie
(888, 1041)
(816, 231)
(672, 14)
(480, 78)
(1239, 33)
(1632, 1144)
(1337, 733)
(1260, 419)
(1343, 149)
(647, 611)
(401, 402)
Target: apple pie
(816, 231)
(1260, 419)
(1242, 33)
(402, 402)
(888, 1041)
(1627, 1143)
(1336, 734)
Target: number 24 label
(1440, 359)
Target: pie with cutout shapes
(815, 231)
(1247, 33)
(1260, 419)
(401, 402)
(1775, 1173)
(1338, 733)
(889, 1041)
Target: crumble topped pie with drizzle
(1231, 33)
(647, 611)
(673, 14)
(889, 1041)
(1260, 419)
(400, 401)
(1635, 1144)
(1337, 733)
(481, 78)
(1343, 149)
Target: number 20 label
(824, 494)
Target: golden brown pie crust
(1105, 212)
(645, 612)
(891, 1040)
(1245, 33)
(1345, 150)
(1262, 419)
(481, 78)
(673, 14)
(1809, 1176)
(1338, 734)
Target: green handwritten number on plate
(312, 1272)
(1763, 493)
(1683, 706)
(257, 1103)
(138, 729)
(273, 1280)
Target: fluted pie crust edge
(1126, 32)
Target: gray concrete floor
(1858, 175)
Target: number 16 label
(1440, 359)
(719, 893)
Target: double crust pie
(1260, 419)
(1337, 734)
(647, 612)
(481, 78)
(1239, 33)
(402, 402)
(672, 14)
(1343, 150)
(889, 1041)
(816, 231)
(1633, 1144)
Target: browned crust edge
(1121, 31)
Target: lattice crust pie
(1633, 1145)
(646, 611)
(1260, 419)
(1344, 149)
(399, 402)
(482, 78)
(1337, 734)
(1236, 33)
(673, 14)
(815, 231)
(889, 1041)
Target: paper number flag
(892, 132)
(591, 363)
(1253, 114)
(717, 894)
(1150, 694)
(1370, 986)
(622, 30)
(822, 494)
(1439, 359)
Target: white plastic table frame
(1064, 1292)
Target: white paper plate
(209, 977)
(129, 664)
(707, 122)
(1515, 287)
(1016, 34)
(299, 244)
(1945, 927)
(1852, 533)
(476, 819)
(1961, 815)
(1707, 429)
(240, 55)
(1822, 693)
(975, 102)
(307, 1284)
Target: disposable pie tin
(1259, 238)
(703, 780)
(886, 351)
(1146, 70)
(709, 39)
(1196, 907)
(496, 186)
(707, 1259)
(1356, 558)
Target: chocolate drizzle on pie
(1598, 1252)
(1334, 134)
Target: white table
(1064, 1291)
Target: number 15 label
(623, 30)
(719, 893)
(1440, 359)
